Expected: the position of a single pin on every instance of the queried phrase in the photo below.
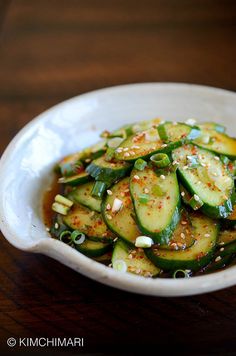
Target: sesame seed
(136, 177)
(222, 249)
(132, 153)
(218, 258)
(125, 149)
(88, 160)
(196, 197)
(119, 150)
(182, 194)
(164, 145)
(130, 256)
(221, 243)
(184, 222)
(146, 190)
(110, 265)
(182, 235)
(122, 194)
(175, 162)
(126, 154)
(215, 174)
(217, 158)
(108, 207)
(109, 192)
(47, 229)
(56, 225)
(207, 235)
(162, 176)
(108, 217)
(185, 167)
(115, 239)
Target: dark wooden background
(51, 50)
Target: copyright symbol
(11, 342)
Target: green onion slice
(98, 189)
(140, 164)
(160, 160)
(162, 132)
(180, 273)
(65, 237)
(109, 154)
(77, 237)
(195, 202)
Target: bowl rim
(93, 269)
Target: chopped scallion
(195, 202)
(180, 273)
(98, 189)
(64, 201)
(140, 164)
(109, 154)
(65, 236)
(77, 237)
(160, 160)
(60, 208)
(162, 132)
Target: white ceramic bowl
(26, 166)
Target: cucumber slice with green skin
(93, 248)
(135, 260)
(88, 222)
(217, 142)
(210, 182)
(77, 179)
(195, 257)
(157, 215)
(82, 195)
(144, 144)
(212, 126)
(68, 165)
(121, 222)
(128, 130)
(183, 236)
(107, 172)
(226, 237)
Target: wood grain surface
(53, 50)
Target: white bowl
(26, 166)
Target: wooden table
(53, 50)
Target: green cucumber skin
(105, 174)
(164, 236)
(169, 265)
(196, 264)
(77, 181)
(94, 252)
(215, 212)
(193, 134)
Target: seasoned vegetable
(89, 222)
(145, 143)
(210, 183)
(154, 198)
(157, 211)
(196, 256)
(132, 260)
(120, 220)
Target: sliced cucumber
(82, 195)
(217, 142)
(93, 248)
(107, 172)
(69, 164)
(77, 179)
(157, 210)
(121, 222)
(183, 236)
(212, 126)
(144, 144)
(194, 257)
(89, 222)
(226, 237)
(134, 259)
(210, 183)
(127, 130)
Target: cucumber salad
(154, 198)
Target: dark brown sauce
(48, 200)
